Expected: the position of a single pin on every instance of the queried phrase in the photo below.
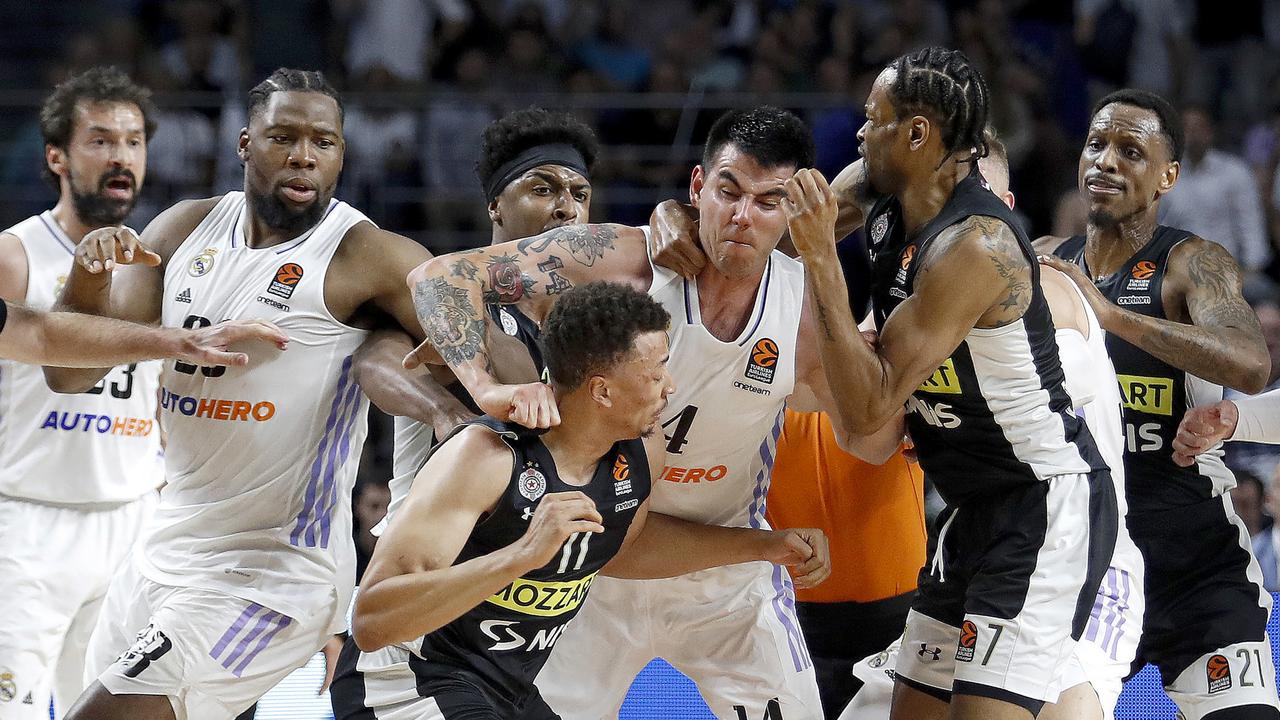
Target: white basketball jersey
(100, 446)
(723, 421)
(261, 459)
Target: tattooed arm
(973, 275)
(450, 291)
(1223, 342)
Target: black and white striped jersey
(1156, 394)
(995, 414)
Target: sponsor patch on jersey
(1133, 300)
(184, 296)
(532, 483)
(751, 388)
(763, 361)
(1151, 395)
(217, 409)
(8, 686)
(1218, 671)
(274, 303)
(287, 278)
(694, 475)
(929, 653)
(202, 264)
(879, 227)
(943, 381)
(101, 424)
(1140, 276)
(509, 325)
(542, 598)
(626, 505)
(968, 641)
(879, 660)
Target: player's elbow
(369, 634)
(69, 381)
(1257, 373)
(431, 268)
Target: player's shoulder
(1202, 261)
(481, 447)
(1047, 244)
(172, 226)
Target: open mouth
(118, 188)
(299, 190)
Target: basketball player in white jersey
(1102, 659)
(534, 168)
(742, 347)
(245, 570)
(79, 472)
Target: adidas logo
(28, 700)
(184, 296)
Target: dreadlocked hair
(290, 80)
(944, 85)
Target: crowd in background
(422, 78)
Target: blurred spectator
(381, 163)
(397, 34)
(180, 155)
(1135, 43)
(369, 503)
(1216, 196)
(202, 58)
(1247, 498)
(452, 128)
(526, 64)
(1070, 216)
(1266, 544)
(835, 129)
(611, 52)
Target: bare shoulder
(1047, 244)
(655, 448)
(373, 247)
(170, 228)
(13, 268)
(477, 448)
(983, 252)
(1202, 267)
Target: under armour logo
(934, 653)
(528, 513)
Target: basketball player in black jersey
(503, 534)
(1178, 330)
(535, 171)
(967, 343)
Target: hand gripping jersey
(506, 639)
(723, 421)
(260, 459)
(995, 414)
(1156, 394)
(100, 446)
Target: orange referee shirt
(873, 514)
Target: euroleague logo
(621, 476)
(968, 641)
(287, 278)
(1140, 275)
(763, 361)
(1218, 671)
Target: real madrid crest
(8, 688)
(532, 482)
(508, 323)
(879, 227)
(202, 263)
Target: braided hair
(945, 85)
(290, 80)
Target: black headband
(561, 154)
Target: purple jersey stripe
(795, 642)
(58, 236)
(252, 635)
(304, 516)
(344, 451)
(328, 491)
(282, 622)
(234, 630)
